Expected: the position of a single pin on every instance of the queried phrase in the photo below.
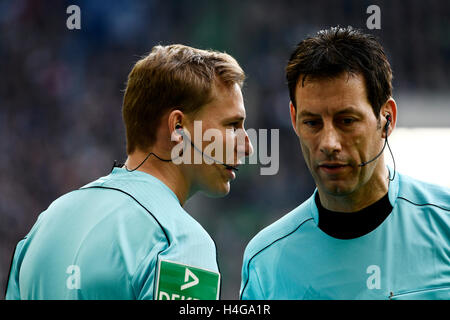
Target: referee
(367, 232)
(126, 235)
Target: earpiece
(388, 117)
(388, 122)
(179, 129)
(386, 128)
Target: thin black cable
(393, 159)
(386, 128)
(184, 148)
(211, 158)
(376, 157)
(151, 153)
(386, 142)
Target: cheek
(363, 146)
(229, 147)
(212, 174)
(215, 183)
(308, 144)
(354, 145)
(307, 152)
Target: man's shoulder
(148, 196)
(94, 197)
(280, 229)
(417, 192)
(109, 207)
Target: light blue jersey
(108, 240)
(406, 257)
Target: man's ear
(390, 107)
(175, 119)
(293, 112)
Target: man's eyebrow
(305, 113)
(236, 118)
(349, 110)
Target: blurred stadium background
(61, 93)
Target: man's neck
(169, 173)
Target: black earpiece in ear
(388, 122)
(386, 128)
(179, 128)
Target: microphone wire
(184, 146)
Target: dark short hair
(172, 77)
(342, 50)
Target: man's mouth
(231, 169)
(332, 167)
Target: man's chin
(217, 191)
(337, 189)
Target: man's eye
(348, 121)
(234, 125)
(311, 123)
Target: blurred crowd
(61, 93)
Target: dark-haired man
(126, 235)
(366, 232)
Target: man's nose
(244, 146)
(330, 141)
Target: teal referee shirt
(124, 236)
(405, 256)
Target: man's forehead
(343, 90)
(227, 102)
(235, 114)
(314, 81)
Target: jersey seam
(218, 267)
(11, 266)
(283, 237)
(259, 285)
(151, 214)
(88, 234)
(403, 293)
(140, 204)
(424, 204)
(136, 293)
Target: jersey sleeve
(144, 278)
(250, 285)
(12, 289)
(149, 240)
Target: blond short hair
(172, 77)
